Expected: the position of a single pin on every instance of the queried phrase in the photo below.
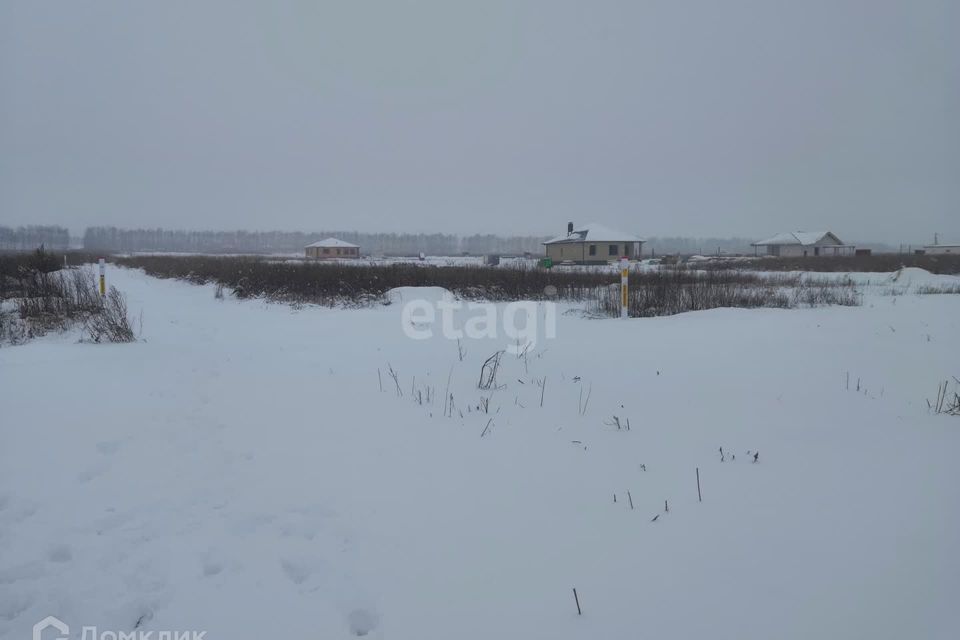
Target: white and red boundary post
(624, 278)
(103, 277)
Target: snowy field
(365, 261)
(253, 471)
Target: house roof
(803, 238)
(332, 242)
(594, 233)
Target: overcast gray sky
(740, 117)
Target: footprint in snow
(60, 553)
(91, 473)
(17, 573)
(108, 447)
(211, 568)
(13, 604)
(299, 570)
(362, 622)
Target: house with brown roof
(331, 249)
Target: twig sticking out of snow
(448, 397)
(488, 372)
(584, 404)
(396, 378)
(486, 428)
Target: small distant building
(938, 249)
(592, 244)
(802, 244)
(941, 249)
(331, 249)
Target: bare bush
(937, 290)
(824, 292)
(672, 291)
(678, 290)
(948, 400)
(12, 330)
(15, 264)
(112, 323)
(47, 301)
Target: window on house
(613, 249)
(816, 251)
(326, 251)
(593, 249)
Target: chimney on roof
(569, 228)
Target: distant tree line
(33, 236)
(173, 240)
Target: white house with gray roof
(802, 244)
(939, 248)
(592, 244)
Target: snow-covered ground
(436, 261)
(240, 471)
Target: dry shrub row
(660, 292)
(875, 263)
(671, 291)
(332, 283)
